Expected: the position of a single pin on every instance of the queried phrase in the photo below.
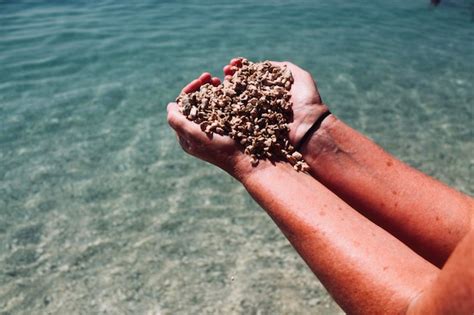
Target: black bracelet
(313, 129)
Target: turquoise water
(100, 210)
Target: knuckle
(171, 119)
(174, 121)
(184, 147)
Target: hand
(221, 151)
(307, 104)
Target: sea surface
(101, 212)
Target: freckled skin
(398, 198)
(376, 235)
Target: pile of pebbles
(252, 107)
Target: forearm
(362, 266)
(412, 206)
(453, 290)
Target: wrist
(242, 170)
(305, 118)
(320, 140)
(309, 133)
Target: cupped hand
(307, 103)
(221, 151)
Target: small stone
(254, 161)
(297, 155)
(193, 113)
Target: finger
(171, 106)
(289, 65)
(278, 63)
(215, 81)
(183, 127)
(281, 64)
(193, 86)
(293, 68)
(181, 142)
(236, 62)
(228, 70)
(205, 78)
(184, 144)
(174, 117)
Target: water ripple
(100, 210)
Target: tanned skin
(381, 236)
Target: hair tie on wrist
(313, 129)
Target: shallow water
(100, 210)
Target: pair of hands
(223, 151)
